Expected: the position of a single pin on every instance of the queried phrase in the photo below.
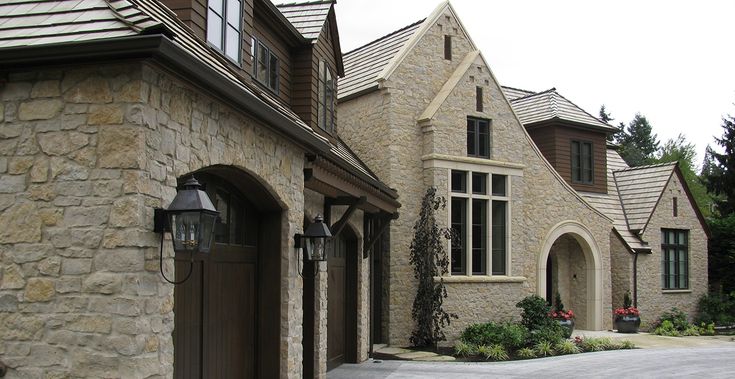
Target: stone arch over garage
(593, 267)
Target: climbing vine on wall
(429, 259)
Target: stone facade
(535, 188)
(652, 300)
(85, 155)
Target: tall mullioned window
(265, 65)
(224, 25)
(674, 259)
(327, 98)
(478, 137)
(479, 223)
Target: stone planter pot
(627, 324)
(567, 325)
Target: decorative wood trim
(480, 279)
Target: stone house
(660, 253)
(530, 193)
(106, 107)
(422, 107)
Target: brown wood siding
(305, 81)
(192, 12)
(555, 142)
(264, 33)
(544, 139)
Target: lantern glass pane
(185, 227)
(207, 226)
(318, 254)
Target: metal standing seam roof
(308, 18)
(38, 22)
(640, 189)
(364, 64)
(549, 105)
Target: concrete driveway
(709, 357)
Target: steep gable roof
(514, 93)
(308, 18)
(550, 105)
(364, 64)
(376, 61)
(639, 189)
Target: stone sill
(481, 279)
(676, 291)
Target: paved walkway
(641, 340)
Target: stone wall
(537, 191)
(652, 300)
(85, 155)
(621, 263)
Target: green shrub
(462, 349)
(510, 336)
(677, 318)
(567, 347)
(627, 344)
(494, 352)
(667, 328)
(716, 308)
(691, 330)
(544, 349)
(534, 312)
(552, 334)
(707, 329)
(592, 344)
(526, 353)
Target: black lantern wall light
(314, 240)
(190, 219)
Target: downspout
(635, 278)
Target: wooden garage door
(342, 300)
(215, 310)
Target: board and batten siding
(555, 142)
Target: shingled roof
(550, 105)
(639, 189)
(308, 18)
(609, 204)
(364, 64)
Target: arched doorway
(342, 299)
(227, 314)
(570, 263)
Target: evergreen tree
(637, 143)
(607, 118)
(720, 176)
(681, 151)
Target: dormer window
(224, 27)
(582, 165)
(327, 91)
(265, 65)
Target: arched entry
(227, 314)
(570, 263)
(342, 299)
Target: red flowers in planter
(629, 311)
(562, 315)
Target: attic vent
(448, 47)
(675, 206)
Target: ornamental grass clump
(567, 347)
(544, 349)
(494, 352)
(526, 353)
(465, 350)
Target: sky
(672, 61)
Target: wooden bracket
(353, 203)
(385, 220)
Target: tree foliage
(638, 144)
(429, 259)
(720, 173)
(607, 118)
(682, 151)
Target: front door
(215, 309)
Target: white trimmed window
(224, 25)
(479, 215)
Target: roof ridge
(385, 36)
(553, 104)
(519, 89)
(534, 94)
(648, 166)
(305, 3)
(582, 109)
